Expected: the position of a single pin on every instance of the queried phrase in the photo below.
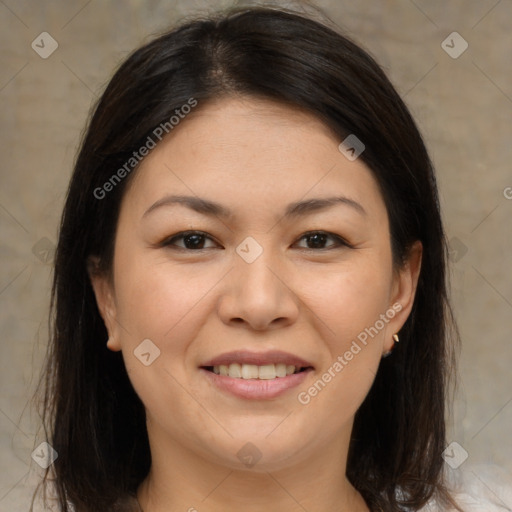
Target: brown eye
(191, 240)
(318, 240)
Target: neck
(180, 479)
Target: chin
(258, 453)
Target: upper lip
(258, 358)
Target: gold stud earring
(395, 337)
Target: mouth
(260, 376)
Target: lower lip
(256, 389)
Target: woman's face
(277, 277)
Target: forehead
(255, 153)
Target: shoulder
(479, 488)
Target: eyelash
(340, 242)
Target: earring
(388, 353)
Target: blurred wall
(461, 98)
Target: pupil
(197, 241)
(318, 239)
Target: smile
(256, 375)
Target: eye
(192, 240)
(317, 240)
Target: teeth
(249, 371)
(235, 370)
(281, 370)
(267, 372)
(252, 371)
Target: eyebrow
(296, 209)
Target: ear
(403, 292)
(105, 299)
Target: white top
(480, 488)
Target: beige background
(463, 106)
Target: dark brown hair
(91, 414)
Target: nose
(257, 295)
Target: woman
(250, 307)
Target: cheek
(166, 304)
(157, 300)
(347, 299)
(350, 303)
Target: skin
(254, 157)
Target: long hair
(91, 414)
